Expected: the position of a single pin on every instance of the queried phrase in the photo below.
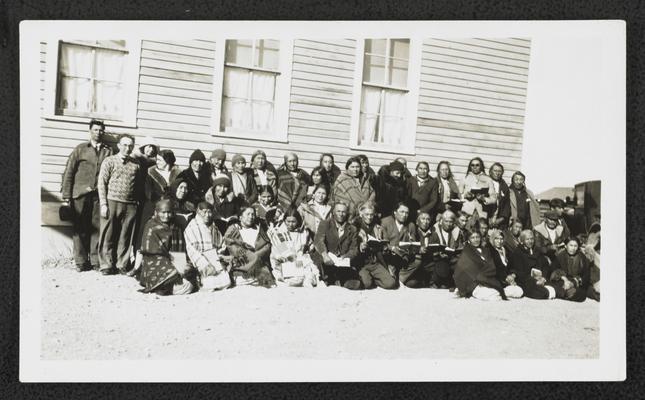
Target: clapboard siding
(472, 95)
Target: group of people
(209, 227)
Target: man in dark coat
(397, 229)
(499, 212)
(475, 267)
(549, 235)
(338, 238)
(79, 190)
(390, 189)
(422, 192)
(373, 267)
(531, 268)
(444, 260)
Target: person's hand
(104, 211)
(540, 281)
(423, 250)
(327, 260)
(481, 198)
(469, 196)
(510, 279)
(567, 283)
(362, 247)
(66, 202)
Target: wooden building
(431, 100)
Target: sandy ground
(89, 316)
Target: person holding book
(336, 247)
(503, 266)
(549, 235)
(447, 189)
(475, 274)
(477, 189)
(290, 261)
(204, 244)
(316, 209)
(402, 246)
(164, 270)
(419, 273)
(450, 241)
(373, 270)
(532, 268)
(571, 274)
(264, 204)
(225, 207)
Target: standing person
(475, 273)
(447, 189)
(422, 192)
(502, 265)
(331, 170)
(262, 173)
(336, 239)
(160, 273)
(524, 207)
(558, 205)
(367, 171)
(79, 190)
(571, 274)
(204, 243)
(373, 270)
(549, 235)
(217, 164)
(499, 212)
(242, 180)
(316, 209)
(452, 239)
(385, 169)
(197, 177)
(390, 189)
(292, 182)
(318, 177)
(397, 229)
(352, 188)
(120, 186)
(476, 178)
(532, 269)
(146, 152)
(512, 236)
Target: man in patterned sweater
(120, 184)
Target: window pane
(109, 98)
(369, 120)
(375, 46)
(75, 60)
(394, 118)
(382, 117)
(75, 94)
(267, 54)
(248, 100)
(235, 114)
(239, 52)
(374, 69)
(263, 86)
(400, 48)
(110, 65)
(236, 83)
(398, 73)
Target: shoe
(81, 268)
(96, 267)
(132, 272)
(109, 271)
(451, 289)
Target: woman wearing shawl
(289, 246)
(159, 179)
(197, 176)
(249, 247)
(532, 269)
(475, 273)
(327, 164)
(352, 188)
(292, 182)
(242, 181)
(447, 189)
(263, 173)
(367, 171)
(162, 268)
(502, 265)
(316, 209)
(571, 275)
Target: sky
(564, 121)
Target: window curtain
(248, 98)
(394, 118)
(370, 109)
(75, 83)
(389, 105)
(110, 71)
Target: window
(92, 79)
(253, 98)
(386, 117)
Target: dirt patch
(87, 316)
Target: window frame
(131, 93)
(412, 93)
(281, 101)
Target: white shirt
(496, 186)
(446, 236)
(341, 230)
(164, 174)
(398, 225)
(263, 177)
(446, 190)
(249, 235)
(552, 234)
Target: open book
(339, 262)
(227, 219)
(477, 190)
(450, 250)
(375, 243)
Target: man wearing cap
(196, 176)
(292, 182)
(549, 235)
(391, 189)
(242, 180)
(224, 206)
(79, 190)
(558, 206)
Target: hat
(219, 154)
(197, 155)
(237, 158)
(222, 180)
(396, 166)
(148, 140)
(551, 214)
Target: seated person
(249, 249)
(203, 245)
(463, 222)
(225, 207)
(396, 229)
(264, 204)
(318, 177)
(502, 265)
(159, 272)
(531, 268)
(475, 273)
(373, 268)
(591, 249)
(559, 206)
(512, 236)
(549, 235)
(419, 272)
(338, 238)
(289, 258)
(316, 209)
(443, 262)
(570, 277)
(481, 226)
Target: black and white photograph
(322, 201)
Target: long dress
(289, 260)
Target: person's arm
(105, 174)
(492, 195)
(320, 239)
(67, 182)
